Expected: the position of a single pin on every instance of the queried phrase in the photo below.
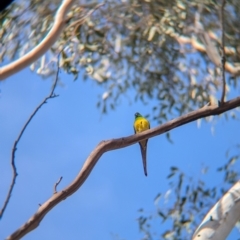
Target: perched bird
(141, 124)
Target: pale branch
(234, 70)
(43, 46)
(223, 51)
(113, 144)
(219, 221)
(14, 149)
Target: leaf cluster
(132, 47)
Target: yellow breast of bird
(141, 125)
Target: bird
(141, 124)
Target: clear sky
(62, 135)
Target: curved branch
(113, 144)
(43, 46)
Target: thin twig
(223, 52)
(14, 149)
(56, 184)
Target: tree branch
(220, 220)
(113, 144)
(223, 51)
(43, 46)
(14, 149)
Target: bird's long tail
(144, 157)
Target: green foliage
(132, 46)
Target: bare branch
(113, 144)
(43, 46)
(56, 184)
(223, 51)
(14, 149)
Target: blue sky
(62, 135)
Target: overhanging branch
(43, 46)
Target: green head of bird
(137, 115)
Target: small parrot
(141, 124)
